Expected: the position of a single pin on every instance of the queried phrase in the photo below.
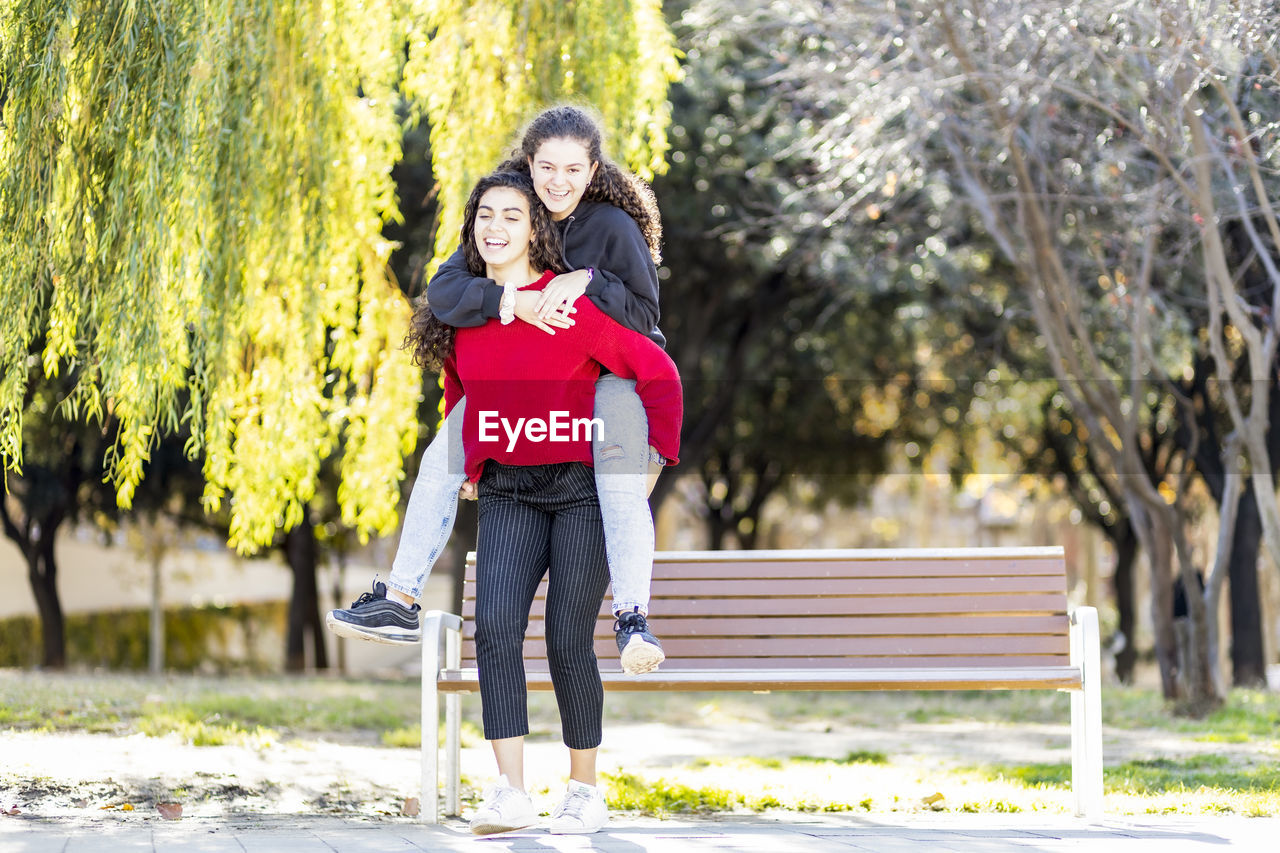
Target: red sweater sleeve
(631, 355)
(452, 384)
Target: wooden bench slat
(958, 605)
(832, 626)
(745, 587)
(845, 626)
(862, 568)
(682, 648)
(841, 626)
(960, 677)
(784, 665)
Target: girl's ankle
(400, 598)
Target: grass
(259, 712)
(209, 710)
(207, 731)
(1156, 775)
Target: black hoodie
(624, 284)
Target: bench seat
(821, 620)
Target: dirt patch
(70, 775)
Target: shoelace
(494, 797)
(630, 622)
(366, 597)
(574, 804)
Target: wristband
(507, 306)
(657, 458)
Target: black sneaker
(641, 651)
(377, 618)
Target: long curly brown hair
(611, 184)
(431, 339)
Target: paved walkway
(782, 833)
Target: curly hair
(430, 338)
(612, 184)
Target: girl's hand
(527, 310)
(652, 473)
(468, 492)
(561, 292)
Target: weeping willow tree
(479, 69)
(191, 203)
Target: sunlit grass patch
(1156, 775)
(660, 796)
(1159, 775)
(1209, 784)
(407, 737)
(1202, 784)
(1031, 775)
(863, 783)
(212, 731)
(410, 737)
(1230, 737)
(858, 756)
(77, 715)
(297, 712)
(123, 703)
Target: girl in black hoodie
(611, 236)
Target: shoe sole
(498, 828)
(640, 657)
(386, 636)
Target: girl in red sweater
(610, 233)
(527, 435)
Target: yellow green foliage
(192, 197)
(480, 69)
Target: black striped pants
(539, 519)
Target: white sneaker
(582, 810)
(504, 809)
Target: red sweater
(531, 396)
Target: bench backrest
(928, 608)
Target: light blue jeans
(621, 457)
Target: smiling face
(502, 227)
(561, 169)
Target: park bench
(883, 619)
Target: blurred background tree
(1100, 164)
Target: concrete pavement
(772, 833)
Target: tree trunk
(1199, 694)
(42, 570)
(718, 528)
(1248, 661)
(1157, 546)
(1126, 545)
(303, 554)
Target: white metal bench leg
(452, 729)
(1086, 714)
(429, 808)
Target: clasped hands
(552, 308)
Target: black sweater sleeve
(459, 298)
(625, 282)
